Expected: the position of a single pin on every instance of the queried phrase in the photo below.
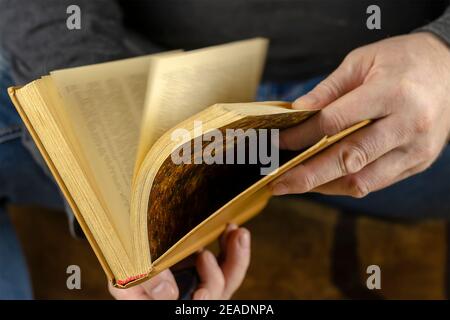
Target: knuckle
(329, 87)
(351, 60)
(349, 57)
(424, 122)
(352, 158)
(355, 53)
(305, 181)
(358, 187)
(406, 87)
(404, 90)
(410, 94)
(329, 123)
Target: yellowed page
(105, 103)
(183, 85)
(49, 136)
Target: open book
(107, 133)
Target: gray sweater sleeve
(439, 27)
(35, 38)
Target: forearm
(41, 42)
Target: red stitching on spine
(127, 280)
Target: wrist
(433, 40)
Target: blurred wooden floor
(301, 250)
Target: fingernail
(163, 290)
(307, 101)
(244, 240)
(204, 295)
(279, 189)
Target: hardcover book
(109, 133)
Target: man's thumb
(345, 78)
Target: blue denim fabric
(425, 195)
(289, 91)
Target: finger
(161, 287)
(237, 260)
(361, 104)
(387, 170)
(345, 157)
(211, 276)
(133, 293)
(349, 75)
(201, 294)
(223, 239)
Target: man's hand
(218, 279)
(402, 83)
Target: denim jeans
(24, 180)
